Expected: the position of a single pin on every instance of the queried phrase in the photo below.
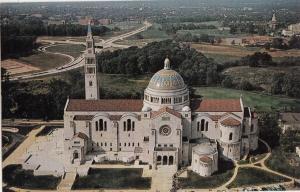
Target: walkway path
(15, 156)
(162, 178)
(252, 165)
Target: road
(79, 62)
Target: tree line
(195, 68)
(173, 28)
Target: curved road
(79, 62)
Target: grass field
(194, 180)
(252, 176)
(45, 61)
(113, 179)
(260, 102)
(154, 32)
(239, 51)
(69, 49)
(279, 161)
(15, 176)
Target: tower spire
(90, 68)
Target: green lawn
(69, 49)
(15, 176)
(261, 102)
(113, 179)
(279, 161)
(155, 32)
(220, 58)
(45, 61)
(194, 181)
(253, 176)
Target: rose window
(165, 130)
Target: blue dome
(166, 79)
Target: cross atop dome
(167, 63)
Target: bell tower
(90, 68)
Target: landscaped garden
(113, 179)
(247, 176)
(194, 180)
(14, 175)
(280, 161)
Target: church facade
(167, 127)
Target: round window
(165, 130)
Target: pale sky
(20, 1)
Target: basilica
(166, 128)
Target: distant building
(273, 23)
(87, 20)
(105, 21)
(56, 22)
(298, 151)
(289, 121)
(293, 29)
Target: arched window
(198, 126)
(105, 126)
(251, 129)
(128, 124)
(101, 124)
(97, 128)
(230, 136)
(202, 124)
(206, 126)
(133, 125)
(124, 125)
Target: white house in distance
(166, 128)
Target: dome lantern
(167, 63)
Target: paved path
(252, 165)
(79, 62)
(162, 178)
(15, 156)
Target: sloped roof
(230, 122)
(165, 109)
(121, 105)
(205, 159)
(81, 135)
(216, 105)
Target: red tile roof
(205, 159)
(230, 122)
(165, 109)
(216, 105)
(105, 105)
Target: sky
(21, 1)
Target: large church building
(167, 127)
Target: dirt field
(17, 67)
(241, 51)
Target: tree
(269, 129)
(294, 42)
(246, 85)
(227, 82)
